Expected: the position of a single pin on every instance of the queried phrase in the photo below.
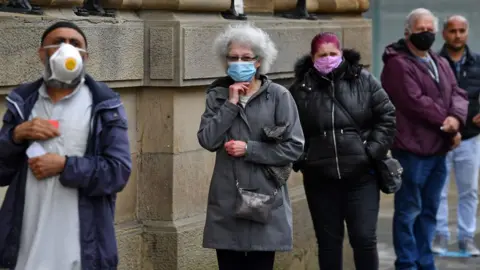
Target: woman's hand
(236, 148)
(235, 90)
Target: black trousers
(240, 260)
(333, 202)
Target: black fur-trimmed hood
(304, 64)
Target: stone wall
(160, 62)
(262, 6)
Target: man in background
(465, 65)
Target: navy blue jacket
(99, 175)
(468, 79)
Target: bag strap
(237, 183)
(346, 113)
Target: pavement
(385, 244)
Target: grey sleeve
(215, 122)
(291, 148)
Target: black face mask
(423, 40)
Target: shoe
(468, 246)
(440, 244)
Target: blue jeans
(416, 205)
(465, 163)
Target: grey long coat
(272, 105)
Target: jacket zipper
(333, 131)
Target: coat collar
(468, 54)
(24, 97)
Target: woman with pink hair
(349, 124)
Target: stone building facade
(388, 22)
(157, 55)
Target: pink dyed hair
(322, 38)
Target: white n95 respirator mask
(65, 68)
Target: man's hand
(47, 165)
(236, 148)
(451, 125)
(456, 141)
(36, 129)
(476, 120)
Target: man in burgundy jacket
(431, 109)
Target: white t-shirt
(244, 99)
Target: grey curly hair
(248, 35)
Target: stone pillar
(175, 174)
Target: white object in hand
(35, 150)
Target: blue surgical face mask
(241, 71)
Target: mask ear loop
(52, 46)
(58, 46)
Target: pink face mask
(326, 64)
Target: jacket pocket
(352, 155)
(349, 144)
(115, 117)
(321, 151)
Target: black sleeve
(384, 125)
(294, 90)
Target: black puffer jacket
(333, 145)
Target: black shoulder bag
(389, 169)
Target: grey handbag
(256, 206)
(252, 205)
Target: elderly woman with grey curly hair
(253, 126)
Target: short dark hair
(456, 16)
(63, 24)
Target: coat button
(309, 88)
(303, 85)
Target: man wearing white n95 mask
(64, 154)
